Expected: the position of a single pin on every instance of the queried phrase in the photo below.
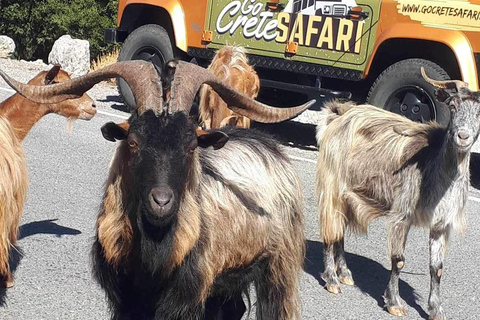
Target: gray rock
(7, 47)
(73, 55)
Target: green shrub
(34, 25)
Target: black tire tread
(410, 68)
(157, 31)
(414, 61)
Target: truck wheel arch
(453, 43)
(170, 16)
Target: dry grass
(105, 60)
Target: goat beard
(70, 122)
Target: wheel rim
(412, 102)
(150, 54)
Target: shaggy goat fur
(226, 235)
(369, 147)
(13, 189)
(374, 163)
(18, 115)
(230, 64)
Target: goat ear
(442, 95)
(52, 74)
(216, 139)
(113, 132)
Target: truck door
(324, 32)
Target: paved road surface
(66, 171)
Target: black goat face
(161, 154)
(161, 149)
(465, 118)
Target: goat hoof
(437, 315)
(397, 311)
(6, 281)
(334, 288)
(9, 284)
(347, 280)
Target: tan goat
(231, 66)
(17, 116)
(373, 163)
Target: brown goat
(23, 113)
(231, 66)
(13, 189)
(17, 116)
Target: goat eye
(132, 143)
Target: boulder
(73, 55)
(7, 47)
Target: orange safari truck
(367, 50)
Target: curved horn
(447, 84)
(141, 76)
(188, 79)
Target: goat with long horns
(183, 231)
(373, 163)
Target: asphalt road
(67, 170)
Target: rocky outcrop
(7, 47)
(73, 55)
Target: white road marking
(112, 114)
(301, 159)
(475, 199)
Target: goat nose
(94, 105)
(463, 135)
(162, 197)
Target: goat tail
(13, 190)
(230, 64)
(331, 111)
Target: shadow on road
(30, 229)
(370, 276)
(475, 170)
(46, 227)
(110, 98)
(118, 105)
(291, 133)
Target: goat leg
(219, 308)
(438, 240)
(330, 274)
(6, 281)
(397, 238)
(344, 274)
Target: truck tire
(401, 89)
(150, 43)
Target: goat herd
(184, 230)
